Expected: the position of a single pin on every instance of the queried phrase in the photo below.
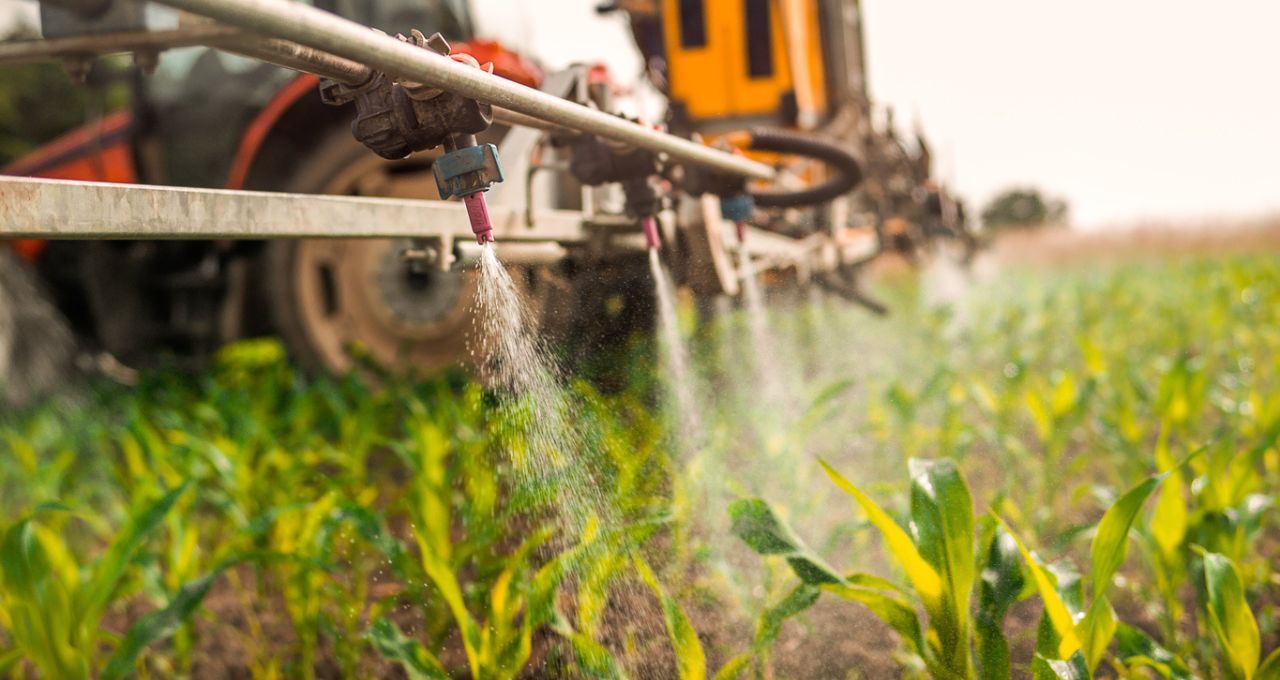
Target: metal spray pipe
(330, 33)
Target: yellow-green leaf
(1229, 616)
(1096, 630)
(942, 523)
(1002, 581)
(690, 658)
(759, 527)
(393, 645)
(1111, 542)
(925, 580)
(1054, 608)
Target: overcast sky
(1130, 109)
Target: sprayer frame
(310, 40)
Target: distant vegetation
(1022, 208)
(38, 102)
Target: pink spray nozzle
(741, 228)
(478, 214)
(650, 225)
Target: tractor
(203, 117)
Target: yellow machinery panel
(731, 59)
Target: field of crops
(1065, 472)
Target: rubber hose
(848, 172)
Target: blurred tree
(1023, 208)
(38, 102)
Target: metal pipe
(284, 53)
(509, 117)
(467, 253)
(291, 55)
(330, 33)
(50, 49)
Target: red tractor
(209, 119)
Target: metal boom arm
(330, 33)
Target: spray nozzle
(467, 171)
(650, 225)
(478, 214)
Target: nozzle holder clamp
(395, 119)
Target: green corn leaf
(93, 599)
(1108, 550)
(894, 610)
(690, 658)
(734, 667)
(821, 407)
(1169, 519)
(758, 526)
(593, 657)
(1136, 648)
(392, 644)
(1073, 668)
(444, 579)
(797, 601)
(923, 577)
(1243, 469)
(1070, 586)
(1055, 608)
(801, 598)
(1040, 415)
(542, 590)
(1096, 630)
(1270, 668)
(1111, 542)
(39, 606)
(8, 660)
(157, 625)
(1001, 583)
(943, 528)
(23, 563)
(864, 580)
(1229, 617)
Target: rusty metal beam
(61, 209)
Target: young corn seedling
(52, 601)
(1216, 503)
(938, 557)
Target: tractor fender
(281, 134)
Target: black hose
(848, 172)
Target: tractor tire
(335, 303)
(37, 348)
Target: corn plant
(53, 601)
(1212, 505)
(1074, 638)
(938, 557)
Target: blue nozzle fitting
(738, 208)
(467, 172)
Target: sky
(1131, 110)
